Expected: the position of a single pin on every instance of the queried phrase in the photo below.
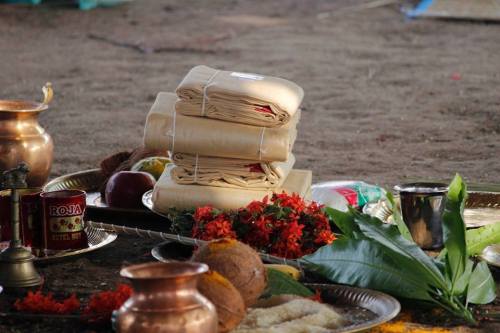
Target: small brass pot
(22, 139)
(165, 300)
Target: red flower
(260, 232)
(324, 237)
(220, 227)
(293, 201)
(102, 305)
(203, 213)
(285, 225)
(39, 303)
(313, 208)
(257, 207)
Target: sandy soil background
(387, 98)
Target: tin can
(63, 225)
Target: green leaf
(463, 280)
(481, 285)
(367, 264)
(389, 236)
(344, 221)
(454, 230)
(478, 239)
(402, 227)
(279, 283)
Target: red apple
(125, 188)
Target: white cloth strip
(203, 102)
(261, 142)
(173, 132)
(196, 168)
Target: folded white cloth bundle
(167, 129)
(229, 172)
(238, 97)
(168, 194)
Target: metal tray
(481, 208)
(97, 239)
(491, 254)
(147, 201)
(362, 308)
(88, 181)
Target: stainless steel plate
(481, 208)
(147, 201)
(362, 308)
(97, 239)
(491, 254)
(88, 181)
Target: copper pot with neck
(22, 139)
(165, 300)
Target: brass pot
(22, 139)
(165, 300)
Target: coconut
(237, 262)
(226, 298)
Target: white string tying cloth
(173, 133)
(203, 102)
(196, 168)
(261, 142)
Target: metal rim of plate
(384, 306)
(480, 206)
(97, 238)
(147, 201)
(88, 181)
(491, 254)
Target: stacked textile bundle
(230, 136)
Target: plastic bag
(341, 194)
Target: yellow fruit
(152, 165)
(292, 271)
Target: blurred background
(388, 97)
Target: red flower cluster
(212, 224)
(101, 305)
(284, 226)
(46, 304)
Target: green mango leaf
(344, 221)
(463, 280)
(367, 264)
(478, 239)
(454, 230)
(402, 227)
(390, 237)
(279, 283)
(482, 289)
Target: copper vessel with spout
(22, 139)
(165, 300)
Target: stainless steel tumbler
(422, 206)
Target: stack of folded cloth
(230, 136)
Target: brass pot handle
(48, 93)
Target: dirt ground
(387, 98)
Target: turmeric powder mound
(406, 327)
(222, 244)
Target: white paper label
(247, 76)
